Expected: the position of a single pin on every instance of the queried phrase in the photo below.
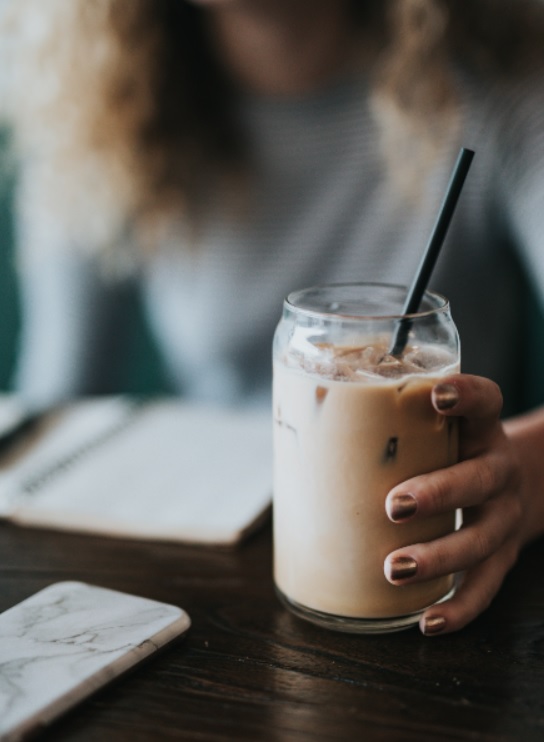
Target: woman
(223, 152)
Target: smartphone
(68, 640)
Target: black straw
(428, 261)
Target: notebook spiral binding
(34, 483)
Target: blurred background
(140, 370)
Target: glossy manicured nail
(400, 568)
(433, 625)
(401, 507)
(445, 396)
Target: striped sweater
(322, 209)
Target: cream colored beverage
(350, 422)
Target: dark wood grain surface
(248, 670)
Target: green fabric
(141, 371)
(9, 300)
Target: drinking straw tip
(430, 256)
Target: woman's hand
(487, 484)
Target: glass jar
(351, 421)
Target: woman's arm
(526, 434)
(499, 484)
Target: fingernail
(401, 506)
(445, 396)
(400, 568)
(433, 625)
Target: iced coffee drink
(350, 422)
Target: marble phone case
(66, 641)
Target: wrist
(526, 436)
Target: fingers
(473, 596)
(476, 400)
(481, 536)
(488, 558)
(487, 462)
(468, 396)
(466, 484)
(485, 484)
(485, 548)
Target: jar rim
(294, 302)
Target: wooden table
(248, 670)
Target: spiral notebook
(162, 470)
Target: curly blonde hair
(124, 100)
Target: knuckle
(486, 537)
(484, 396)
(441, 562)
(483, 544)
(515, 507)
(486, 476)
(513, 475)
(437, 492)
(497, 400)
(491, 392)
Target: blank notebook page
(164, 470)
